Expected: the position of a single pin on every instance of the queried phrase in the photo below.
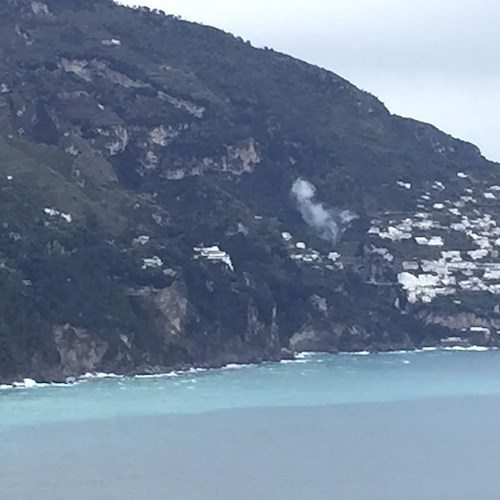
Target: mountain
(172, 196)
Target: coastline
(437, 448)
(29, 383)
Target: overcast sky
(434, 60)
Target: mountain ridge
(146, 171)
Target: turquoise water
(422, 426)
(313, 380)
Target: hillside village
(451, 245)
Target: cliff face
(147, 215)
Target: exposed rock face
(461, 321)
(79, 68)
(80, 351)
(242, 158)
(473, 329)
(172, 305)
(310, 339)
(40, 9)
(331, 337)
(145, 175)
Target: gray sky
(434, 60)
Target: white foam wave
(300, 358)
(172, 374)
(305, 354)
(196, 370)
(27, 383)
(100, 375)
(475, 348)
(157, 375)
(235, 366)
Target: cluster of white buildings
(439, 269)
(424, 280)
(482, 230)
(152, 263)
(300, 252)
(112, 42)
(52, 212)
(213, 254)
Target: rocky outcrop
(169, 307)
(80, 351)
(311, 339)
(461, 321)
(241, 158)
(470, 329)
(338, 337)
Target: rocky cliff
(171, 196)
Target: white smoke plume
(329, 223)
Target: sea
(420, 425)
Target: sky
(433, 60)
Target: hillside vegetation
(146, 214)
